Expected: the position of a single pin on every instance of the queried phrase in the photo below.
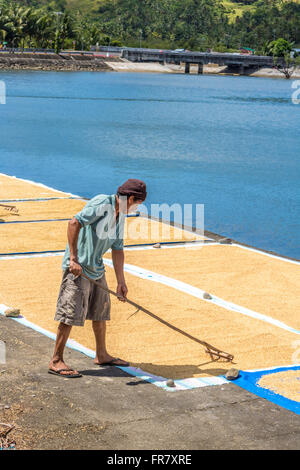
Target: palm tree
(65, 29)
(4, 20)
(15, 22)
(30, 27)
(45, 28)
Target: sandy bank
(76, 62)
(124, 65)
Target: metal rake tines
(214, 353)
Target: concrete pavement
(107, 409)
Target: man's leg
(73, 295)
(102, 355)
(57, 361)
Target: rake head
(215, 355)
(10, 208)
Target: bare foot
(56, 365)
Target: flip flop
(68, 376)
(113, 363)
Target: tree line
(190, 24)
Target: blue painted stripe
(32, 252)
(167, 243)
(43, 199)
(88, 352)
(159, 381)
(62, 251)
(249, 381)
(184, 384)
(44, 220)
(32, 221)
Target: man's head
(131, 194)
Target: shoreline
(207, 233)
(57, 63)
(208, 69)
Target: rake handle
(210, 349)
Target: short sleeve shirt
(100, 231)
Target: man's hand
(118, 262)
(73, 233)
(75, 268)
(122, 291)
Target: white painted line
(202, 243)
(271, 368)
(36, 255)
(198, 293)
(196, 382)
(159, 381)
(278, 257)
(181, 286)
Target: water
(230, 143)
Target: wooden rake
(214, 352)
(10, 208)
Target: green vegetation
(281, 49)
(192, 24)
(236, 9)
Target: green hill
(168, 24)
(236, 9)
(239, 8)
(91, 7)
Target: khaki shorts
(80, 300)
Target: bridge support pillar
(200, 68)
(187, 68)
(239, 69)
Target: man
(91, 232)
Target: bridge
(242, 64)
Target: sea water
(230, 143)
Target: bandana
(134, 187)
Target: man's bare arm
(73, 233)
(118, 262)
